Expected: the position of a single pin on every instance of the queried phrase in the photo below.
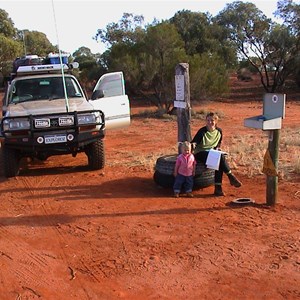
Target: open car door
(109, 96)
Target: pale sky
(73, 23)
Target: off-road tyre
(96, 155)
(164, 169)
(1, 162)
(11, 162)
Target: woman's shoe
(218, 191)
(234, 181)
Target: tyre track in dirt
(63, 242)
(86, 273)
(33, 269)
(61, 182)
(29, 267)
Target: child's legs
(179, 181)
(188, 184)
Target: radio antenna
(60, 60)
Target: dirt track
(68, 233)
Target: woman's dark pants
(223, 168)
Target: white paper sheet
(213, 159)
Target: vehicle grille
(54, 123)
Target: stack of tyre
(164, 169)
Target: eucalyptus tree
(165, 49)
(89, 67)
(266, 45)
(201, 35)
(148, 55)
(10, 46)
(289, 12)
(209, 53)
(36, 42)
(149, 62)
(7, 27)
(124, 41)
(15, 42)
(193, 28)
(130, 60)
(208, 76)
(129, 30)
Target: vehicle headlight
(86, 119)
(16, 124)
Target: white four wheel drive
(45, 112)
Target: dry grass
(290, 150)
(246, 154)
(133, 159)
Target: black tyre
(11, 162)
(164, 169)
(1, 162)
(163, 180)
(96, 156)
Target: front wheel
(96, 155)
(11, 162)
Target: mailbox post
(271, 120)
(272, 181)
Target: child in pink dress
(184, 171)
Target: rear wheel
(11, 162)
(96, 155)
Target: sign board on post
(179, 86)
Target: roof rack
(32, 65)
(41, 69)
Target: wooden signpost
(182, 102)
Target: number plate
(53, 139)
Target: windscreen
(47, 88)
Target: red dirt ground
(69, 233)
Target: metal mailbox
(273, 113)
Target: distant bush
(244, 74)
(208, 76)
(159, 113)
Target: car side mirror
(97, 94)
